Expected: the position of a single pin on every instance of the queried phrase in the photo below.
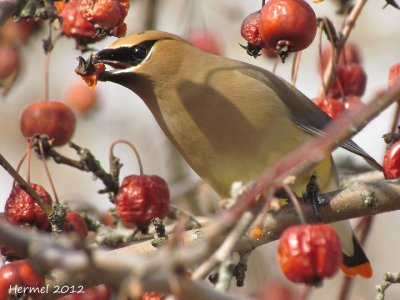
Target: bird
(229, 120)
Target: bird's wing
(304, 113)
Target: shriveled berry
(350, 80)
(206, 41)
(350, 55)
(251, 34)
(20, 208)
(105, 14)
(21, 274)
(51, 118)
(249, 29)
(287, 25)
(90, 71)
(74, 222)
(332, 107)
(141, 198)
(309, 253)
(394, 76)
(391, 162)
(99, 292)
(73, 24)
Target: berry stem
(295, 202)
(48, 172)
(323, 86)
(21, 161)
(29, 152)
(295, 67)
(46, 76)
(396, 119)
(276, 62)
(344, 34)
(111, 156)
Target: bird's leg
(313, 193)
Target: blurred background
(120, 114)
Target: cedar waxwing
(227, 118)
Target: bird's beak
(108, 57)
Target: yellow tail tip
(364, 270)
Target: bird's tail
(355, 262)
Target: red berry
(308, 253)
(21, 208)
(20, 274)
(142, 198)
(73, 24)
(350, 80)
(349, 55)
(89, 71)
(287, 23)
(205, 41)
(276, 290)
(332, 107)
(105, 14)
(394, 75)
(9, 59)
(21, 30)
(391, 162)
(75, 223)
(52, 118)
(99, 292)
(81, 98)
(152, 296)
(352, 102)
(249, 29)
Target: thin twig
(344, 34)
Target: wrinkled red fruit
(81, 98)
(105, 14)
(332, 107)
(249, 29)
(349, 55)
(99, 292)
(9, 59)
(73, 24)
(74, 222)
(21, 208)
(21, 274)
(391, 162)
(350, 80)
(142, 198)
(206, 41)
(308, 253)
(51, 118)
(290, 23)
(251, 34)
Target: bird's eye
(139, 53)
